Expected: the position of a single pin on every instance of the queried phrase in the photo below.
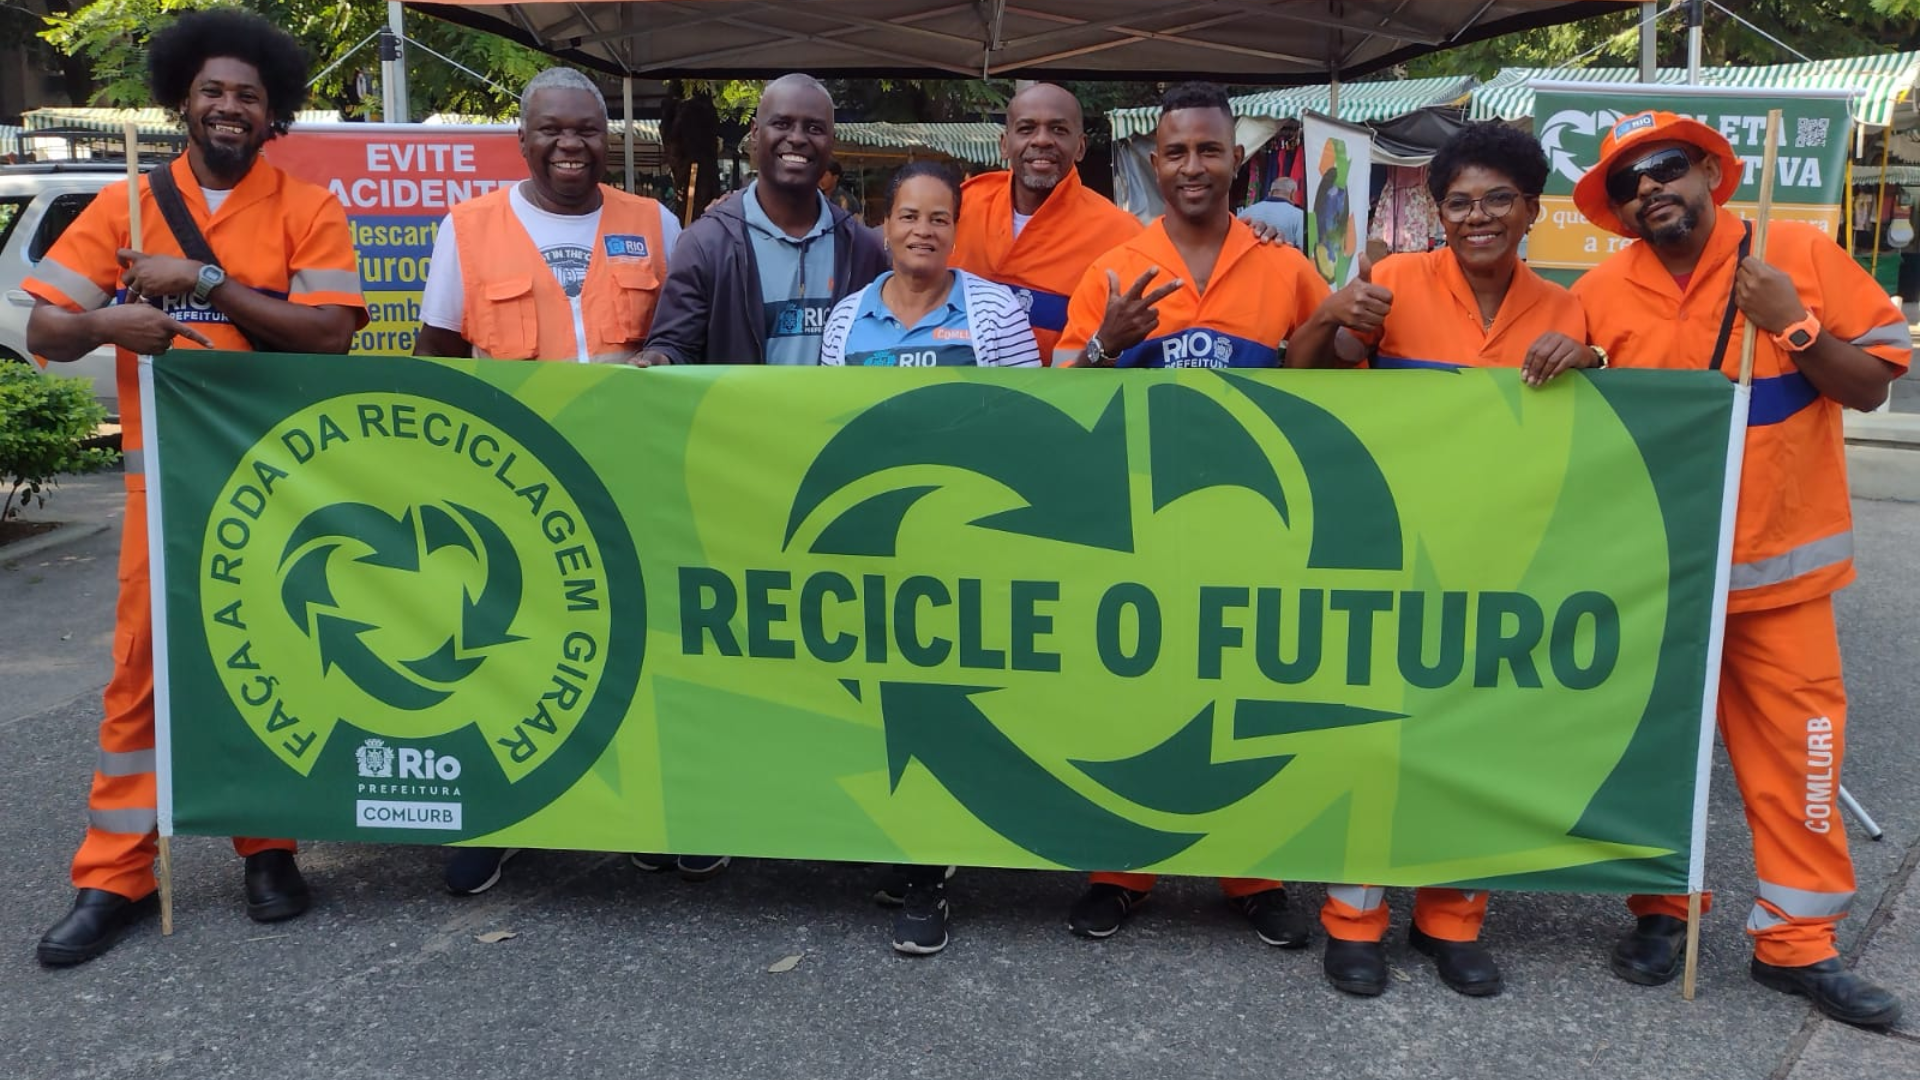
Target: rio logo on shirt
(1196, 348)
(623, 246)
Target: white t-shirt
(214, 197)
(565, 242)
(1020, 221)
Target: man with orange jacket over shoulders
(1828, 337)
(1035, 228)
(1196, 288)
(283, 278)
(557, 267)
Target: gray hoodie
(711, 310)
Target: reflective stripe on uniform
(1779, 904)
(1066, 357)
(1358, 897)
(137, 821)
(1889, 334)
(1805, 559)
(324, 281)
(124, 762)
(78, 287)
(135, 461)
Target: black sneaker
(651, 863)
(920, 926)
(474, 870)
(702, 867)
(891, 889)
(1276, 923)
(1100, 911)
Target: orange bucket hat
(1630, 132)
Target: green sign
(1403, 628)
(1570, 119)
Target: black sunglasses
(1664, 167)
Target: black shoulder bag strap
(193, 243)
(1726, 321)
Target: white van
(37, 203)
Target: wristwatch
(211, 278)
(1801, 335)
(1599, 357)
(1096, 352)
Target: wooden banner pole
(693, 182)
(164, 871)
(133, 184)
(1768, 166)
(1693, 946)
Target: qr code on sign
(1810, 131)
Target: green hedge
(43, 422)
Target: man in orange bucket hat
(1827, 337)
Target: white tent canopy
(1270, 41)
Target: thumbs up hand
(1362, 306)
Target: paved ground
(616, 973)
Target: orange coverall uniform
(1783, 706)
(516, 310)
(1073, 227)
(282, 236)
(1435, 323)
(1258, 295)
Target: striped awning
(1896, 175)
(1359, 102)
(149, 121)
(977, 143)
(1886, 82)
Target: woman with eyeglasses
(1472, 303)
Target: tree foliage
(113, 34)
(1820, 29)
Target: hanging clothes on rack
(1404, 218)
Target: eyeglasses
(1663, 167)
(1495, 204)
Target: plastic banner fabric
(1388, 627)
(1339, 165)
(1571, 118)
(397, 182)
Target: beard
(1038, 183)
(228, 161)
(1673, 232)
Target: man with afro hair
(284, 279)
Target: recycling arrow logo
(417, 594)
(1070, 808)
(400, 544)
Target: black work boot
(1357, 967)
(275, 889)
(1652, 954)
(1834, 990)
(1466, 966)
(97, 920)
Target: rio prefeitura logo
(409, 604)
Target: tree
(1821, 29)
(112, 36)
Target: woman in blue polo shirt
(923, 313)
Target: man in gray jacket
(753, 279)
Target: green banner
(1402, 628)
(1570, 119)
